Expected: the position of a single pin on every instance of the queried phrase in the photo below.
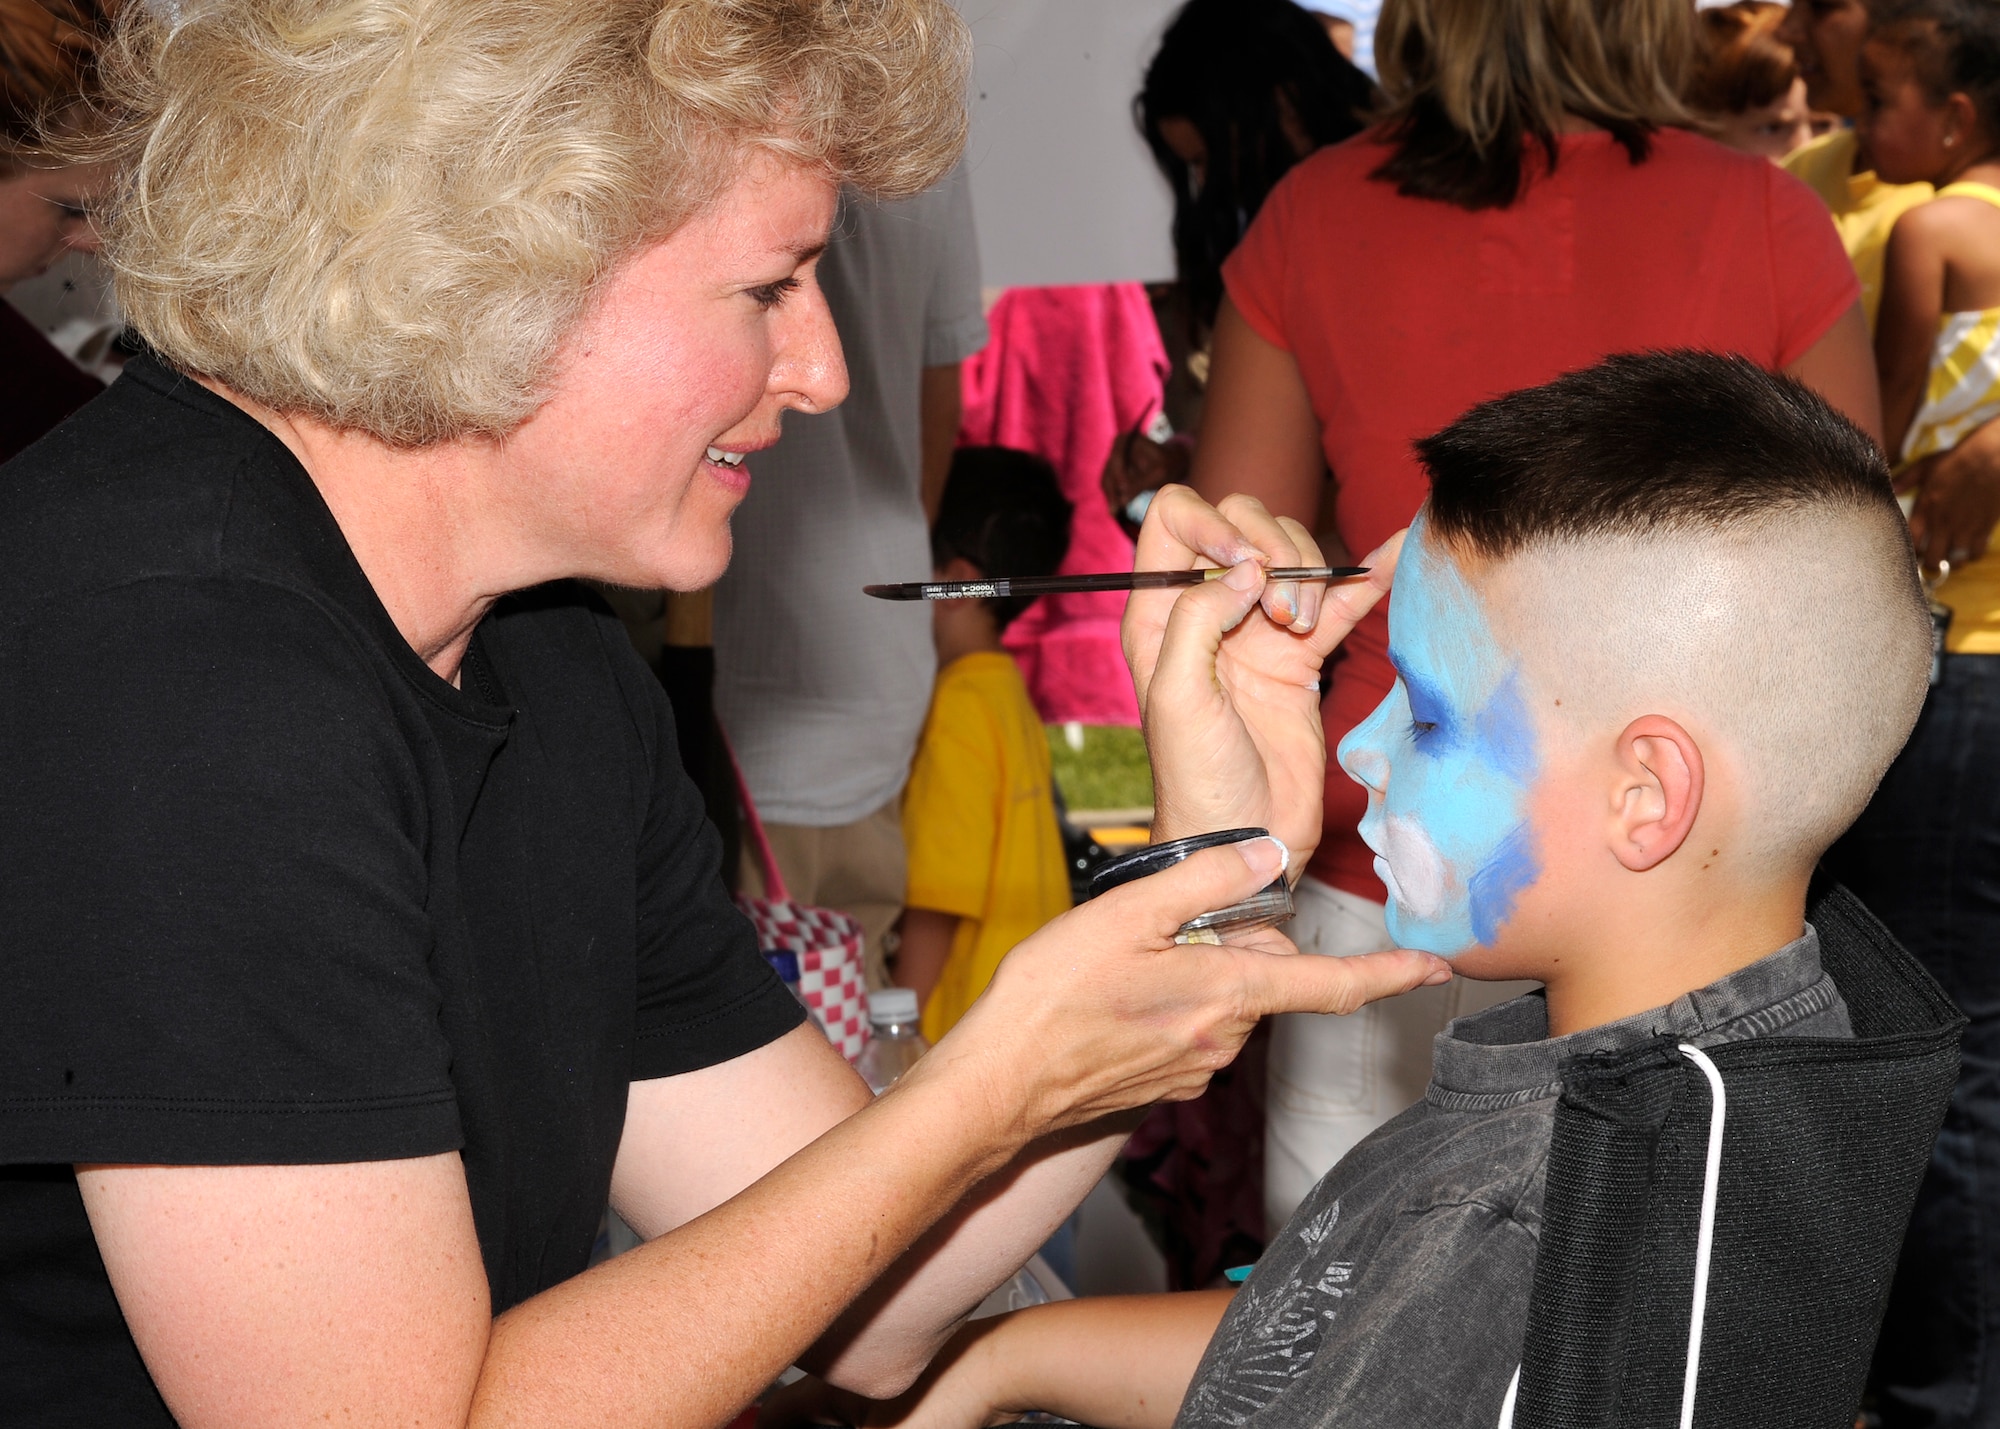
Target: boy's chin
(1473, 960)
(1498, 963)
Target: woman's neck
(422, 522)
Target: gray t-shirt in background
(1397, 1295)
(822, 690)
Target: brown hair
(1740, 64)
(48, 63)
(1954, 45)
(386, 214)
(1471, 84)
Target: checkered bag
(826, 942)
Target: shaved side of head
(1687, 535)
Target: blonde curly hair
(386, 214)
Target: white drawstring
(1704, 1244)
(1507, 1404)
(1705, 1237)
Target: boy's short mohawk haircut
(1682, 534)
(1644, 444)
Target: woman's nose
(810, 372)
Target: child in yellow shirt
(986, 856)
(1933, 88)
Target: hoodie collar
(1504, 1056)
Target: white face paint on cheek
(1418, 880)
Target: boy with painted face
(1658, 632)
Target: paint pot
(1265, 908)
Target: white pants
(1335, 1079)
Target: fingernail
(1308, 611)
(1288, 601)
(1244, 576)
(1268, 857)
(1439, 975)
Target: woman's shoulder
(1340, 173)
(1690, 163)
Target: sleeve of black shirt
(706, 994)
(212, 886)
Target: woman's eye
(772, 294)
(1422, 727)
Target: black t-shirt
(272, 892)
(38, 385)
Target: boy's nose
(1362, 753)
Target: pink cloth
(1067, 370)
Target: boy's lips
(1388, 877)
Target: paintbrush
(1001, 587)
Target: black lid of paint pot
(1157, 858)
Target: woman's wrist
(965, 1091)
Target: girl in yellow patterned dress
(1925, 855)
(1931, 72)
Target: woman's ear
(1658, 793)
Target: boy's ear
(1658, 793)
(960, 569)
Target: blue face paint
(1448, 759)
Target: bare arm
(272, 1295)
(801, 1088)
(942, 404)
(1259, 435)
(1841, 368)
(1958, 498)
(1122, 1362)
(356, 1294)
(1907, 325)
(924, 946)
(1117, 1363)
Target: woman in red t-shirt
(1498, 228)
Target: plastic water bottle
(894, 1043)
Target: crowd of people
(373, 931)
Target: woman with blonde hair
(1531, 199)
(363, 934)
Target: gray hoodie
(1397, 1295)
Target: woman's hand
(1101, 1011)
(1228, 672)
